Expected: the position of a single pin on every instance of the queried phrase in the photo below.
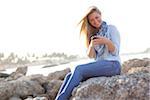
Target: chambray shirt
(115, 38)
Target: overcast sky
(50, 25)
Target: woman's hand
(98, 40)
(95, 40)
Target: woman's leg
(100, 68)
(73, 81)
(64, 83)
(84, 71)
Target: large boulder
(38, 87)
(124, 87)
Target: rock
(40, 98)
(15, 98)
(139, 69)
(52, 88)
(127, 65)
(4, 75)
(14, 77)
(2, 79)
(29, 98)
(132, 84)
(20, 71)
(124, 87)
(58, 75)
(44, 95)
(20, 87)
(39, 78)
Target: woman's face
(95, 19)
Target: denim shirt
(115, 38)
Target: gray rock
(15, 98)
(127, 65)
(20, 72)
(124, 87)
(40, 98)
(20, 87)
(2, 79)
(39, 78)
(52, 88)
(133, 84)
(4, 75)
(29, 98)
(139, 69)
(58, 75)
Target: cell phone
(93, 37)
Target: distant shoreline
(46, 64)
(147, 51)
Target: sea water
(38, 69)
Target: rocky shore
(132, 84)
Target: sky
(40, 26)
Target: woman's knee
(117, 67)
(79, 69)
(78, 72)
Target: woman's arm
(115, 39)
(113, 44)
(110, 46)
(91, 51)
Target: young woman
(102, 42)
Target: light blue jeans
(85, 71)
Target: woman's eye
(97, 17)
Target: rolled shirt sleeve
(115, 38)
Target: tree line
(14, 58)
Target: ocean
(38, 69)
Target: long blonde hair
(86, 29)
